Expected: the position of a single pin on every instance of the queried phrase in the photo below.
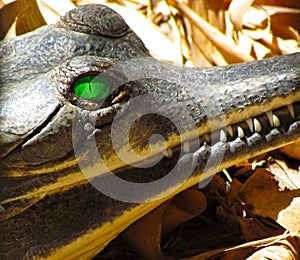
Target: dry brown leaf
(237, 254)
(25, 14)
(262, 195)
(229, 221)
(183, 207)
(12, 32)
(237, 10)
(220, 41)
(5, 2)
(253, 229)
(286, 3)
(271, 30)
(285, 28)
(144, 235)
(235, 187)
(242, 251)
(261, 51)
(279, 45)
(253, 21)
(244, 43)
(283, 16)
(287, 177)
(282, 250)
(289, 218)
(292, 150)
(203, 52)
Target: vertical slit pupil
(91, 87)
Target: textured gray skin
(38, 111)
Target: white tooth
(270, 117)
(229, 130)
(250, 124)
(241, 133)
(291, 109)
(186, 146)
(257, 125)
(276, 121)
(168, 153)
(223, 137)
(226, 173)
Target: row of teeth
(253, 124)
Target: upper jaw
(169, 117)
(196, 102)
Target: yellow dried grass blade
(14, 12)
(237, 9)
(223, 43)
(53, 9)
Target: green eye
(91, 87)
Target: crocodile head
(95, 132)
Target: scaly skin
(52, 181)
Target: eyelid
(65, 75)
